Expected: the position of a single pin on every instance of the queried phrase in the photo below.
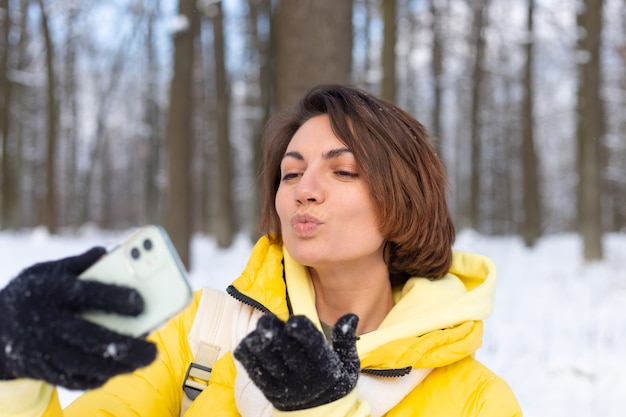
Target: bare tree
(204, 169)
(619, 213)
(590, 128)
(50, 203)
(71, 129)
(261, 49)
(9, 193)
(97, 152)
(153, 140)
(16, 176)
(313, 46)
(480, 9)
(225, 228)
(179, 134)
(532, 202)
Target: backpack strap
(209, 339)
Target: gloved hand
(42, 337)
(294, 367)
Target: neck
(365, 292)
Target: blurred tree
(204, 169)
(152, 142)
(388, 84)
(479, 24)
(409, 24)
(531, 230)
(364, 60)
(619, 212)
(225, 227)
(313, 46)
(590, 128)
(50, 219)
(8, 186)
(70, 126)
(260, 45)
(18, 176)
(436, 64)
(179, 131)
(95, 196)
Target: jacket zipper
(237, 295)
(389, 373)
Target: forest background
(124, 112)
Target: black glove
(41, 337)
(294, 367)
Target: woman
(352, 304)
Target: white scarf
(382, 393)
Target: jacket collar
(434, 322)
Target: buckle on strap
(196, 380)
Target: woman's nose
(309, 189)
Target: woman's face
(326, 212)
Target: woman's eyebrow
(333, 153)
(294, 154)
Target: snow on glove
(42, 337)
(293, 365)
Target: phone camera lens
(147, 244)
(134, 252)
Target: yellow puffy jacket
(430, 336)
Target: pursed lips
(305, 224)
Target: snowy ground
(558, 333)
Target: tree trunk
(388, 85)
(262, 46)
(590, 129)
(70, 214)
(313, 46)
(478, 73)
(532, 202)
(178, 135)
(619, 192)
(225, 228)
(50, 201)
(8, 186)
(437, 72)
(152, 116)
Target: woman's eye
(347, 174)
(289, 176)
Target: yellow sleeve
(25, 397)
(497, 400)
(155, 390)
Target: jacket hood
(433, 323)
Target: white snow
(111, 351)
(557, 334)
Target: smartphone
(146, 261)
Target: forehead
(315, 134)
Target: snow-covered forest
(525, 98)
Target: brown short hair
(406, 178)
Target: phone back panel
(148, 262)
